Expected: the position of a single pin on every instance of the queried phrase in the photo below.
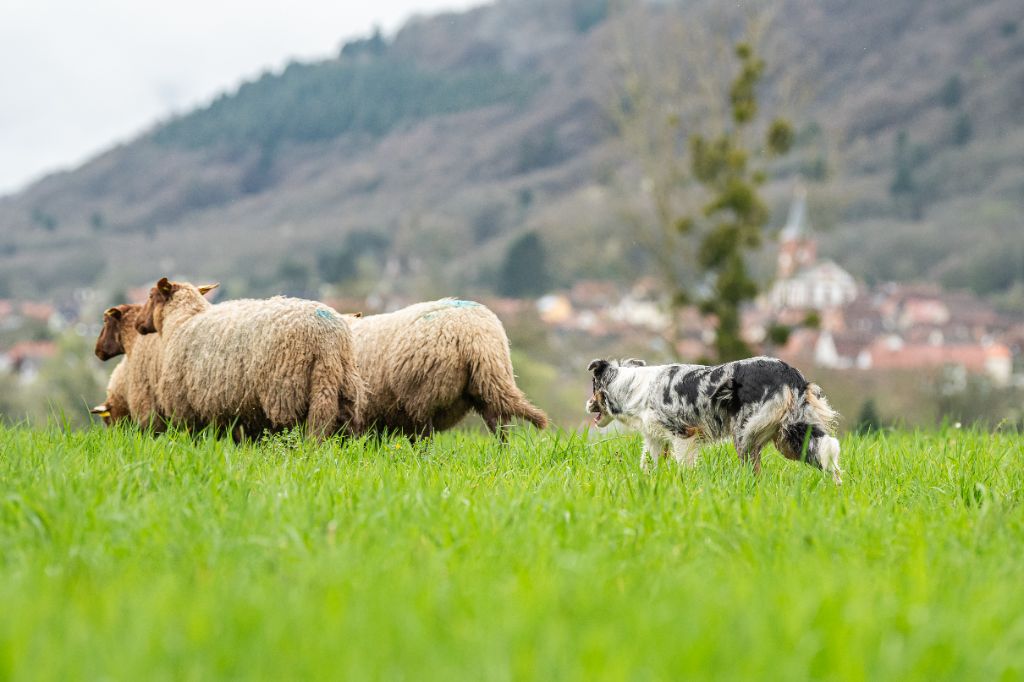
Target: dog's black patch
(688, 386)
(716, 374)
(666, 396)
(598, 367)
(724, 402)
(753, 381)
(800, 437)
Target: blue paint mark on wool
(449, 303)
(326, 314)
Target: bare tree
(684, 100)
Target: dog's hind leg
(748, 446)
(750, 454)
(685, 451)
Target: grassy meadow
(124, 557)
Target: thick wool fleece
(428, 364)
(257, 364)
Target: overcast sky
(77, 77)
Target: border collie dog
(753, 401)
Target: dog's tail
(815, 403)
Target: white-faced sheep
(258, 364)
(427, 365)
(134, 380)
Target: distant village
(834, 321)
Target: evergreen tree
(736, 212)
(868, 419)
(904, 187)
(952, 92)
(525, 271)
(704, 158)
(963, 131)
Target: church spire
(796, 224)
(797, 249)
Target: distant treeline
(321, 101)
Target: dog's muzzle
(596, 407)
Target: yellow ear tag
(105, 413)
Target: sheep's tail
(492, 382)
(324, 410)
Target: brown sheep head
(151, 317)
(111, 411)
(116, 321)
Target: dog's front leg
(652, 451)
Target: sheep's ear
(113, 313)
(101, 410)
(164, 287)
(206, 288)
(359, 314)
(634, 362)
(598, 367)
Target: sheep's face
(151, 317)
(110, 342)
(150, 320)
(110, 412)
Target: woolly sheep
(255, 363)
(426, 365)
(133, 383)
(114, 408)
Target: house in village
(25, 358)
(893, 327)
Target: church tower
(797, 249)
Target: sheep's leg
(495, 423)
(428, 430)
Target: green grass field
(128, 558)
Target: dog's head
(603, 373)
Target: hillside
(410, 164)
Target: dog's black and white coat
(754, 402)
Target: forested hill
(418, 162)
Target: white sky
(77, 76)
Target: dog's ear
(633, 362)
(598, 367)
